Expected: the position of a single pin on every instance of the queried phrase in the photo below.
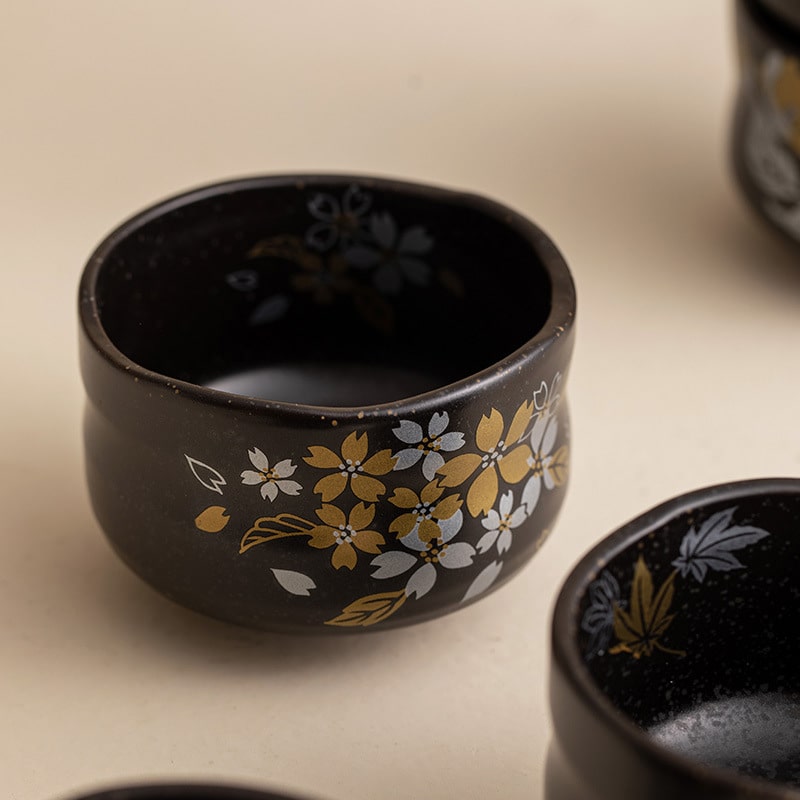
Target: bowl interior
(691, 631)
(329, 293)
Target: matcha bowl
(326, 403)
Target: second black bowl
(675, 654)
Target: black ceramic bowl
(182, 792)
(324, 403)
(676, 651)
(766, 129)
(787, 11)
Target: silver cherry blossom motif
(271, 479)
(339, 222)
(426, 557)
(769, 161)
(546, 398)
(428, 447)
(499, 526)
(543, 439)
(392, 255)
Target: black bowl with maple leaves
(326, 403)
(675, 652)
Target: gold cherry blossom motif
(426, 511)
(346, 535)
(352, 467)
(501, 453)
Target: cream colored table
(605, 122)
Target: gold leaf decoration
(369, 610)
(558, 466)
(640, 628)
(212, 520)
(268, 529)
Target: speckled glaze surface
(675, 651)
(326, 403)
(182, 792)
(766, 127)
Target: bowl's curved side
(178, 490)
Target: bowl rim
(558, 323)
(182, 790)
(568, 659)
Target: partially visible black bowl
(183, 791)
(675, 651)
(766, 125)
(787, 11)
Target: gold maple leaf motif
(645, 622)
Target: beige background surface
(605, 122)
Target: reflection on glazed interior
(331, 295)
(693, 634)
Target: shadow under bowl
(675, 652)
(326, 403)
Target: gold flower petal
(331, 486)
(558, 466)
(321, 537)
(354, 447)
(322, 458)
(520, 422)
(361, 516)
(212, 520)
(331, 515)
(428, 530)
(368, 541)
(490, 429)
(404, 498)
(458, 469)
(514, 465)
(381, 463)
(483, 492)
(403, 525)
(344, 556)
(431, 492)
(366, 488)
(447, 507)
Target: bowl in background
(675, 651)
(326, 403)
(766, 125)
